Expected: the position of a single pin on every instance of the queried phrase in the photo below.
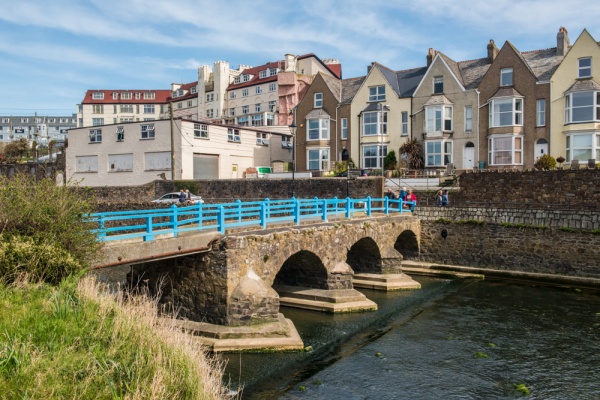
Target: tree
(390, 161)
(14, 151)
(413, 152)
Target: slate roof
(543, 63)
(334, 85)
(409, 79)
(469, 73)
(506, 92)
(316, 113)
(438, 99)
(350, 87)
(583, 85)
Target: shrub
(38, 218)
(545, 162)
(411, 150)
(390, 161)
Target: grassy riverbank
(77, 341)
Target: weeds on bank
(79, 341)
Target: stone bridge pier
(231, 295)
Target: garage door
(206, 166)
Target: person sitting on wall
(438, 198)
(390, 194)
(412, 198)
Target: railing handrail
(200, 217)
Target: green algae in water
(480, 354)
(301, 388)
(491, 344)
(378, 354)
(520, 387)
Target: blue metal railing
(120, 225)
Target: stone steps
(331, 301)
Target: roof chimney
(290, 63)
(369, 67)
(562, 41)
(430, 56)
(492, 51)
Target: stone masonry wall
(573, 189)
(494, 246)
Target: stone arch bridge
(229, 291)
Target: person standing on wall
(445, 200)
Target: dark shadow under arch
(407, 245)
(364, 257)
(303, 269)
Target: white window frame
(495, 113)
(495, 150)
(97, 96)
(258, 90)
(377, 93)
(317, 129)
(257, 120)
(126, 108)
(245, 92)
(373, 161)
(233, 135)
(318, 100)
(200, 131)
(468, 119)
(149, 109)
(592, 148)
(97, 121)
(272, 105)
(438, 84)
(245, 109)
(540, 112)
(232, 95)
(438, 157)
(404, 116)
(147, 132)
(584, 71)
(439, 116)
(258, 107)
(262, 139)
(570, 106)
(262, 74)
(243, 121)
(95, 135)
(374, 126)
(126, 96)
(317, 156)
(344, 129)
(506, 77)
(272, 87)
(232, 112)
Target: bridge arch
(364, 256)
(303, 268)
(407, 244)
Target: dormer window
(318, 100)
(149, 95)
(438, 84)
(126, 95)
(272, 71)
(236, 79)
(585, 67)
(193, 90)
(506, 77)
(263, 73)
(97, 96)
(245, 78)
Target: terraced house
(575, 103)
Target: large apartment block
(41, 129)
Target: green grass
(77, 342)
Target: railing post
(348, 208)
(221, 219)
(174, 224)
(263, 213)
(369, 206)
(148, 236)
(324, 210)
(296, 210)
(386, 205)
(200, 222)
(239, 209)
(316, 200)
(401, 206)
(101, 227)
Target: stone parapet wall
(493, 246)
(573, 189)
(573, 219)
(225, 190)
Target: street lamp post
(293, 128)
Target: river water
(453, 339)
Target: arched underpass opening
(407, 245)
(364, 257)
(303, 269)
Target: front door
(469, 156)
(541, 148)
(234, 171)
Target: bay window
(583, 146)
(505, 150)
(582, 107)
(318, 129)
(438, 153)
(438, 119)
(373, 155)
(506, 112)
(318, 159)
(374, 123)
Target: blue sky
(51, 52)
